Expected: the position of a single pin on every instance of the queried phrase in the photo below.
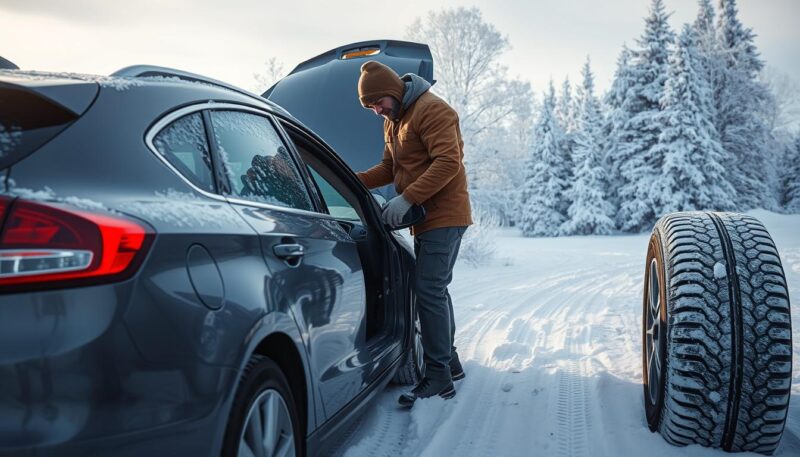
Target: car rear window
(27, 121)
(184, 144)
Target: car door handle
(288, 251)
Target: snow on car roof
(121, 83)
(112, 82)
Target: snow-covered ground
(551, 339)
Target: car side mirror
(414, 216)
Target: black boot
(428, 388)
(456, 370)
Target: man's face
(386, 106)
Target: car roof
(178, 91)
(141, 76)
(155, 72)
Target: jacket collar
(415, 86)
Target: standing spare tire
(717, 338)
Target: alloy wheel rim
(268, 430)
(654, 333)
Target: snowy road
(551, 343)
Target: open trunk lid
(322, 92)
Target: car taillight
(49, 245)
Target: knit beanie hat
(378, 80)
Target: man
(423, 156)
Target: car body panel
(324, 291)
(98, 368)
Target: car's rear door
(345, 199)
(316, 272)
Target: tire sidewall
(260, 374)
(654, 409)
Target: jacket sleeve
(438, 131)
(381, 174)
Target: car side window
(184, 144)
(257, 162)
(338, 206)
(342, 202)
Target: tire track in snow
(574, 321)
(483, 390)
(520, 314)
(472, 334)
(380, 437)
(389, 439)
(572, 414)
(480, 388)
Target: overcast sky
(230, 40)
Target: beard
(395, 111)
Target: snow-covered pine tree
(638, 166)
(737, 40)
(566, 115)
(692, 176)
(704, 23)
(743, 104)
(565, 108)
(589, 212)
(543, 204)
(710, 61)
(616, 118)
(791, 179)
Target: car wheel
(264, 419)
(413, 365)
(716, 339)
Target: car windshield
(27, 121)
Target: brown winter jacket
(423, 152)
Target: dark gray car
(188, 269)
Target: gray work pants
(436, 252)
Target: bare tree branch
(274, 70)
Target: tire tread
(701, 331)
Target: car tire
(413, 365)
(264, 390)
(716, 340)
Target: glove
(394, 211)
